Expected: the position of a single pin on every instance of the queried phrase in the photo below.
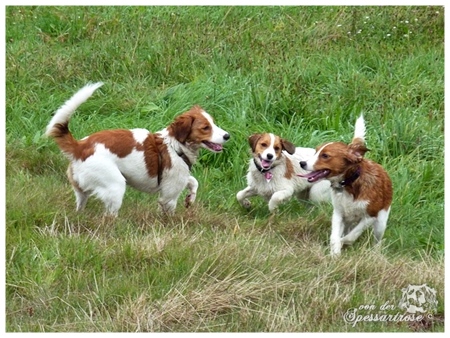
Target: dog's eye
(206, 128)
(264, 145)
(325, 156)
(276, 148)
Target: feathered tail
(358, 146)
(58, 128)
(360, 129)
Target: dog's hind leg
(379, 226)
(112, 197)
(80, 195)
(108, 185)
(81, 198)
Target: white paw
(335, 248)
(273, 207)
(246, 204)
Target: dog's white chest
(268, 182)
(352, 211)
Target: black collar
(182, 155)
(185, 159)
(261, 169)
(349, 180)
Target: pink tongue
(314, 176)
(308, 175)
(265, 164)
(214, 146)
(268, 175)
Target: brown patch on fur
(289, 169)
(166, 162)
(63, 138)
(253, 140)
(180, 128)
(373, 185)
(191, 126)
(156, 155)
(288, 146)
(357, 149)
(201, 130)
(118, 141)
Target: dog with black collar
(104, 163)
(361, 189)
(273, 173)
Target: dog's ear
(253, 139)
(288, 146)
(356, 152)
(181, 127)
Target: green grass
(305, 73)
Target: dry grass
(286, 299)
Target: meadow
(304, 73)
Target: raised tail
(358, 145)
(60, 121)
(360, 130)
(58, 127)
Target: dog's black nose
(226, 137)
(269, 156)
(303, 164)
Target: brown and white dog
(273, 170)
(103, 163)
(361, 190)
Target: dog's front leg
(192, 186)
(167, 207)
(242, 195)
(337, 229)
(279, 197)
(168, 198)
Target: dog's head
(196, 128)
(267, 149)
(333, 160)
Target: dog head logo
(417, 299)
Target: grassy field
(305, 73)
